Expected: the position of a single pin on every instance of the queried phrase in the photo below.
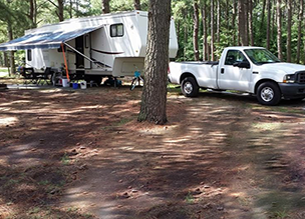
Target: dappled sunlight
(213, 157)
(7, 121)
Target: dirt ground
(68, 153)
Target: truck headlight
(289, 78)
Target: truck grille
(301, 77)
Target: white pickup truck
(249, 69)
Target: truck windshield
(261, 56)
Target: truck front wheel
(189, 87)
(268, 93)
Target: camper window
(116, 30)
(29, 54)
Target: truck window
(234, 56)
(116, 30)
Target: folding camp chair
(29, 76)
(46, 77)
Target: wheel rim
(188, 88)
(267, 94)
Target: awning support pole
(86, 57)
(65, 59)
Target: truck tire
(189, 87)
(268, 93)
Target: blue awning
(48, 40)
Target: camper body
(106, 45)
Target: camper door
(82, 45)
(87, 46)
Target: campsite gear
(75, 85)
(83, 85)
(65, 82)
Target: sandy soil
(81, 154)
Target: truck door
(232, 77)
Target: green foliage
(16, 14)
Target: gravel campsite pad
(81, 154)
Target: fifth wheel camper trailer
(107, 45)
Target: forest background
(204, 27)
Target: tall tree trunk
(11, 53)
(228, 14)
(251, 35)
(268, 24)
(185, 36)
(105, 6)
(195, 31)
(205, 33)
(234, 21)
(263, 15)
(289, 18)
(71, 9)
(153, 106)
(10, 37)
(246, 2)
(218, 21)
(241, 23)
(32, 13)
(279, 29)
(212, 30)
(273, 20)
(137, 5)
(299, 30)
(61, 10)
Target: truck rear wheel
(189, 87)
(268, 93)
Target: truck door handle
(222, 70)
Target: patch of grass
(279, 214)
(65, 159)
(44, 182)
(123, 121)
(11, 182)
(289, 110)
(189, 199)
(174, 88)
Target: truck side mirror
(243, 64)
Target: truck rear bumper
(292, 91)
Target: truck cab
(248, 69)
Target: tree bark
(11, 53)
(137, 5)
(279, 29)
(60, 10)
(241, 23)
(105, 6)
(212, 30)
(153, 106)
(32, 13)
(195, 31)
(268, 24)
(263, 15)
(218, 21)
(205, 33)
(234, 21)
(246, 9)
(228, 14)
(289, 18)
(301, 11)
(251, 35)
